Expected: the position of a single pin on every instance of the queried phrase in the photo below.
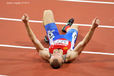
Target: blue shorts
(53, 33)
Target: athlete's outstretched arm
(71, 55)
(88, 36)
(32, 36)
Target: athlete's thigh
(71, 35)
(52, 31)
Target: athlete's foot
(69, 24)
(95, 23)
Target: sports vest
(63, 44)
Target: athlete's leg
(48, 17)
(71, 35)
(50, 26)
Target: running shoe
(69, 24)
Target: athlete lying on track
(61, 48)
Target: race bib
(61, 42)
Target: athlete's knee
(47, 12)
(73, 27)
(77, 27)
(48, 17)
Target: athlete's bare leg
(48, 17)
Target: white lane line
(26, 47)
(35, 21)
(101, 53)
(3, 75)
(12, 19)
(98, 2)
(14, 46)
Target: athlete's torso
(63, 44)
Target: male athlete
(61, 48)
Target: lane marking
(35, 21)
(3, 75)
(101, 53)
(26, 47)
(14, 46)
(84, 1)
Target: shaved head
(55, 64)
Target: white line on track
(3, 75)
(25, 47)
(84, 1)
(35, 21)
(14, 46)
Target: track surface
(26, 62)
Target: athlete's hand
(95, 23)
(25, 18)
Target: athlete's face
(57, 54)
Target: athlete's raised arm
(32, 36)
(88, 36)
(77, 50)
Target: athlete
(61, 47)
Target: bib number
(61, 42)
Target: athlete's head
(56, 59)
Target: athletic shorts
(53, 33)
